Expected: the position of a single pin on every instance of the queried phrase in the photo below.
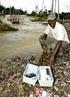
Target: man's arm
(55, 52)
(44, 36)
(57, 47)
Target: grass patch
(35, 19)
(6, 27)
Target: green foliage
(33, 13)
(41, 16)
(11, 10)
(65, 15)
(1, 8)
(60, 21)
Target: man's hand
(42, 39)
(52, 56)
(44, 36)
(51, 60)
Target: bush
(6, 27)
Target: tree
(33, 13)
(1, 8)
(49, 12)
(13, 10)
(6, 11)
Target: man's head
(51, 20)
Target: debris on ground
(11, 72)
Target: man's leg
(43, 43)
(43, 57)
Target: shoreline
(13, 66)
(6, 27)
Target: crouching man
(53, 38)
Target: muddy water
(23, 42)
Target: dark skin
(52, 56)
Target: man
(56, 33)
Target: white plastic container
(45, 76)
(30, 68)
(41, 73)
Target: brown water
(23, 42)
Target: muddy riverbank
(11, 72)
(17, 49)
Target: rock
(32, 59)
(1, 77)
(56, 96)
(32, 95)
(67, 65)
(56, 88)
